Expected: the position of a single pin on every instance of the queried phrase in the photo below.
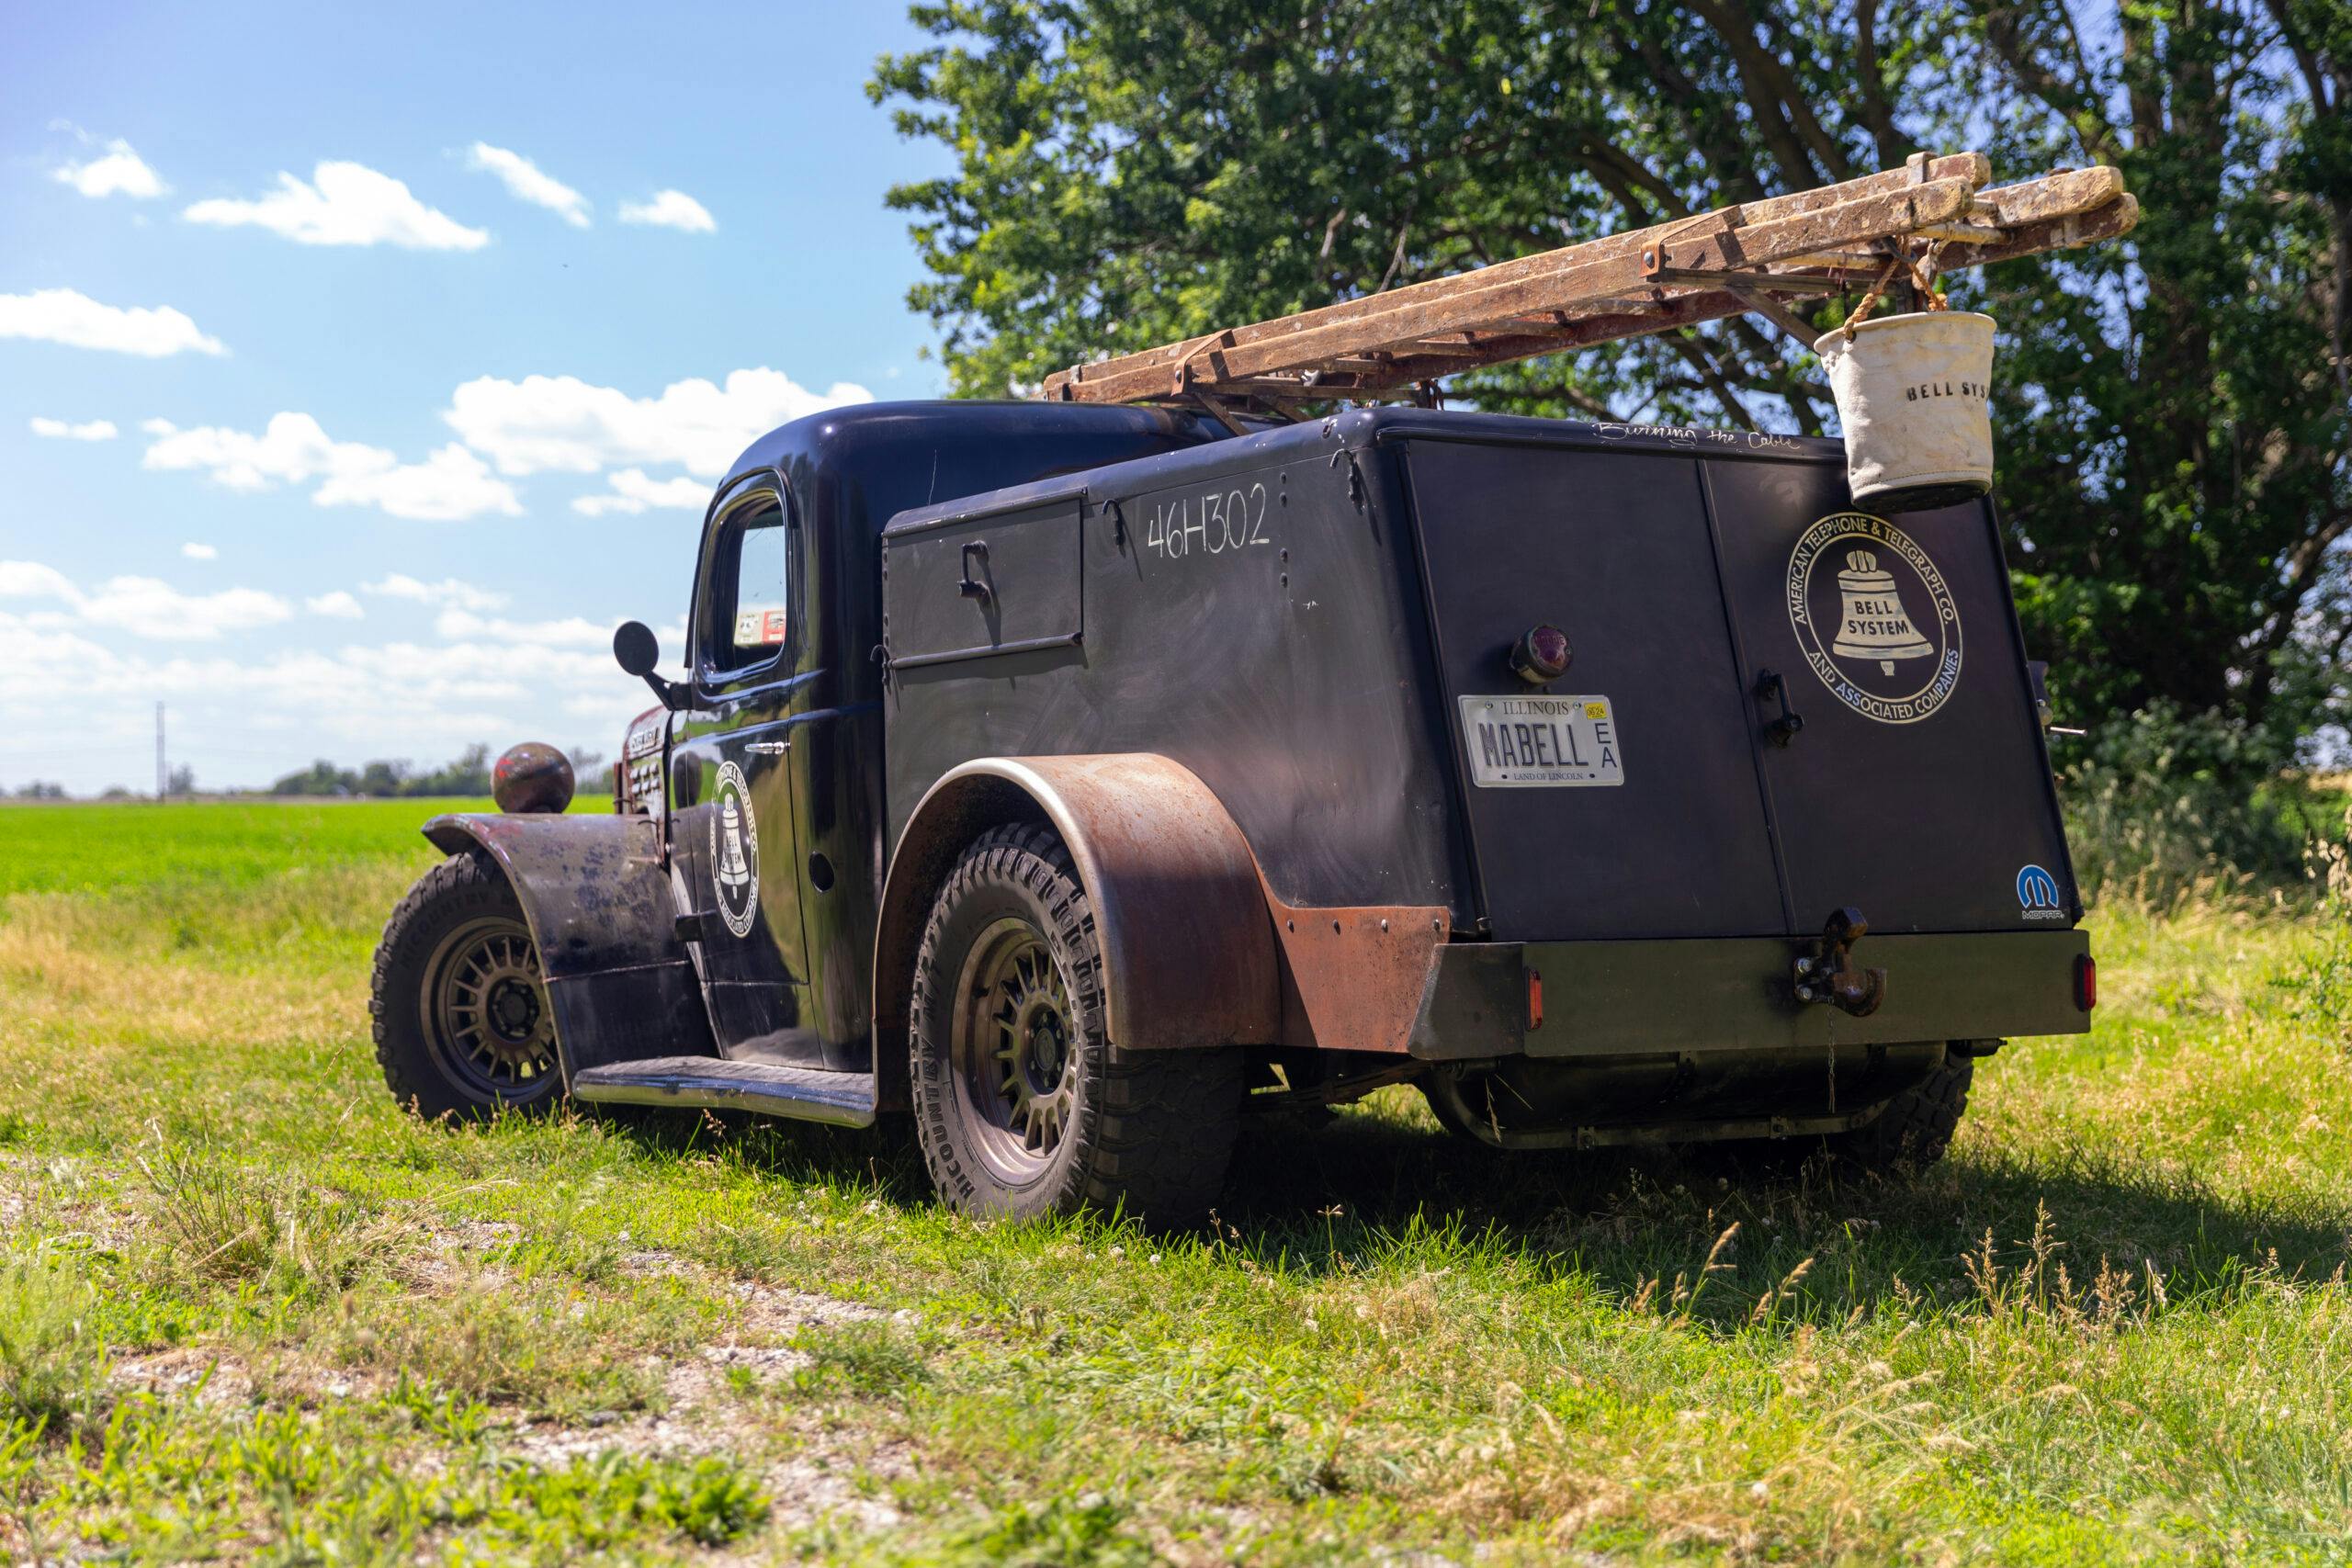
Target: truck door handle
(1771, 688)
(769, 748)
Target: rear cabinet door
(1918, 789)
(1613, 548)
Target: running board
(808, 1094)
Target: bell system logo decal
(734, 851)
(1878, 626)
(2037, 894)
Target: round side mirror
(637, 649)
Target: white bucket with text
(1912, 394)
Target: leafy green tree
(2175, 413)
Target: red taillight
(2086, 982)
(1534, 998)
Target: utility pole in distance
(163, 779)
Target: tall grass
(52, 1362)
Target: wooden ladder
(1751, 257)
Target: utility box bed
(1318, 621)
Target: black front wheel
(461, 1017)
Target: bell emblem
(733, 871)
(1872, 623)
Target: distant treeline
(468, 774)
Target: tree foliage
(2174, 412)
(468, 775)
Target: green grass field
(249, 1310)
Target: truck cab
(1078, 778)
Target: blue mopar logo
(2038, 892)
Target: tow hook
(1827, 974)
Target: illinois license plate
(1534, 742)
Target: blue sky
(386, 463)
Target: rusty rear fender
(597, 898)
(1189, 956)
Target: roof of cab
(857, 429)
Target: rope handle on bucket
(1923, 277)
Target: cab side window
(746, 608)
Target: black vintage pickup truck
(1082, 778)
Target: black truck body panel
(1243, 612)
(1775, 709)
(1296, 616)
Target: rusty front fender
(1188, 953)
(596, 897)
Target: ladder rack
(1750, 257)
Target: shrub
(2160, 805)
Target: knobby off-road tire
(461, 1019)
(1915, 1127)
(1022, 1105)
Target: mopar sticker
(1874, 618)
(2037, 894)
(734, 851)
(1531, 742)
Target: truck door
(735, 862)
(1917, 788)
(1665, 834)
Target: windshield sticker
(759, 627)
(2037, 894)
(1875, 617)
(734, 851)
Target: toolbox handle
(972, 587)
(1771, 687)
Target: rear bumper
(1628, 1000)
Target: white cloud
(450, 485)
(670, 209)
(119, 170)
(287, 692)
(292, 449)
(562, 423)
(448, 591)
(199, 552)
(58, 430)
(572, 631)
(525, 181)
(143, 607)
(30, 580)
(422, 701)
(349, 204)
(73, 319)
(633, 492)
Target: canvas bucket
(1912, 393)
